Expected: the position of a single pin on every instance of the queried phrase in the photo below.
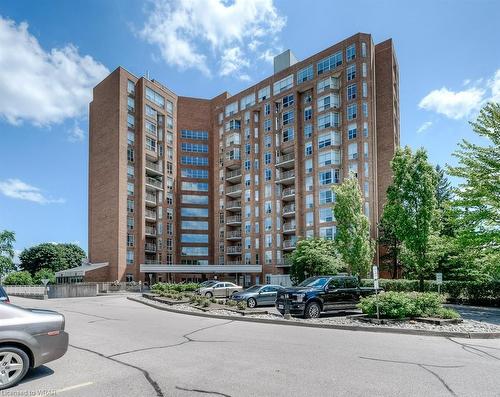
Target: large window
(153, 96)
(283, 84)
(351, 92)
(194, 225)
(350, 52)
(326, 196)
(264, 93)
(247, 101)
(195, 186)
(194, 212)
(330, 62)
(194, 147)
(151, 127)
(194, 251)
(287, 100)
(194, 238)
(194, 173)
(351, 72)
(352, 111)
(231, 109)
(150, 144)
(194, 199)
(352, 131)
(305, 74)
(288, 117)
(189, 134)
(187, 160)
(328, 233)
(328, 120)
(326, 214)
(288, 134)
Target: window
(130, 223)
(326, 215)
(130, 189)
(187, 160)
(130, 206)
(195, 186)
(353, 168)
(130, 171)
(150, 144)
(200, 135)
(130, 257)
(366, 189)
(267, 158)
(365, 149)
(130, 240)
(352, 151)
(287, 101)
(154, 97)
(326, 84)
(130, 154)
(330, 63)
(268, 141)
(325, 159)
(264, 93)
(305, 74)
(351, 72)
(308, 149)
(130, 137)
(308, 113)
(170, 107)
(130, 121)
(352, 111)
(365, 109)
(231, 109)
(309, 219)
(194, 173)
(308, 130)
(288, 134)
(194, 212)
(351, 131)
(365, 89)
(363, 49)
(130, 104)
(309, 166)
(328, 120)
(283, 84)
(267, 109)
(194, 199)
(365, 129)
(288, 117)
(233, 125)
(268, 174)
(150, 112)
(194, 225)
(247, 101)
(350, 52)
(364, 73)
(324, 140)
(194, 147)
(325, 177)
(267, 125)
(194, 251)
(151, 127)
(325, 196)
(328, 233)
(351, 92)
(130, 87)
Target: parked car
(258, 295)
(28, 339)
(322, 294)
(207, 283)
(221, 289)
(3, 296)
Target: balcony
(150, 231)
(233, 191)
(286, 160)
(234, 175)
(233, 250)
(234, 263)
(154, 168)
(234, 205)
(289, 245)
(286, 177)
(233, 235)
(150, 247)
(148, 214)
(288, 210)
(283, 263)
(288, 194)
(233, 163)
(233, 220)
(151, 262)
(150, 199)
(154, 183)
(289, 227)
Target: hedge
(481, 292)
(175, 287)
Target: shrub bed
(473, 292)
(399, 305)
(186, 287)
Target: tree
(411, 210)
(44, 273)
(18, 278)
(314, 257)
(352, 239)
(7, 239)
(444, 191)
(54, 257)
(390, 246)
(477, 197)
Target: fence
(53, 291)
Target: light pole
(45, 281)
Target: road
(122, 348)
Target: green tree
(477, 197)
(19, 278)
(44, 273)
(54, 257)
(411, 210)
(444, 191)
(352, 239)
(314, 257)
(7, 239)
(390, 246)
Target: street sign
(439, 278)
(375, 272)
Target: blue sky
(53, 53)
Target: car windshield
(315, 282)
(254, 288)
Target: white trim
(161, 268)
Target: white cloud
(17, 189)
(461, 104)
(183, 30)
(76, 133)
(425, 126)
(42, 87)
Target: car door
(352, 292)
(219, 289)
(267, 296)
(332, 297)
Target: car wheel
(251, 303)
(209, 294)
(313, 310)
(14, 363)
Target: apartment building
(191, 188)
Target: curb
(468, 335)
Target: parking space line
(67, 389)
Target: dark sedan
(258, 295)
(28, 338)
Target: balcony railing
(151, 231)
(233, 204)
(151, 197)
(233, 249)
(233, 234)
(233, 174)
(150, 247)
(233, 219)
(288, 244)
(288, 227)
(150, 214)
(288, 192)
(289, 209)
(154, 166)
(234, 263)
(153, 182)
(233, 189)
(285, 158)
(286, 175)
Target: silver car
(258, 295)
(28, 338)
(221, 289)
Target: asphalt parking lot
(123, 348)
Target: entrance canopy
(196, 269)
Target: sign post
(375, 285)
(439, 281)
(45, 281)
